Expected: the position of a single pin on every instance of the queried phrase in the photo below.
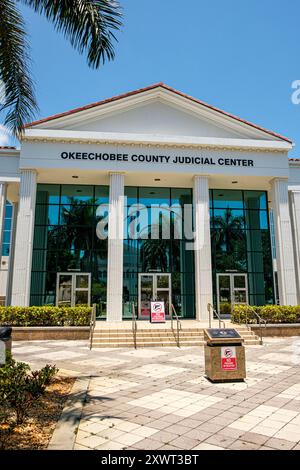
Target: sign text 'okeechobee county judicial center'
(142, 158)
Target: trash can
(224, 355)
(5, 343)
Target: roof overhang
(64, 136)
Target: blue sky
(241, 56)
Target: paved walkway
(157, 398)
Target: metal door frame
(73, 286)
(155, 289)
(231, 287)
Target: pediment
(157, 111)
(158, 118)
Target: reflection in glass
(255, 200)
(82, 281)
(64, 290)
(239, 281)
(149, 196)
(48, 194)
(154, 255)
(147, 295)
(101, 195)
(65, 239)
(81, 297)
(227, 199)
(240, 297)
(157, 254)
(240, 238)
(256, 220)
(162, 281)
(224, 294)
(78, 194)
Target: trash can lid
(223, 333)
(5, 332)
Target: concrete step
(158, 337)
(130, 344)
(148, 331)
(148, 344)
(103, 337)
(148, 340)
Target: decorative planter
(31, 333)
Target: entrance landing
(146, 325)
(121, 334)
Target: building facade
(149, 195)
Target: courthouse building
(148, 195)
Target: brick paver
(158, 398)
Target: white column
(115, 248)
(295, 216)
(284, 243)
(3, 195)
(11, 253)
(203, 272)
(24, 239)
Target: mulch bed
(35, 433)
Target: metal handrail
(92, 324)
(178, 324)
(260, 321)
(211, 310)
(134, 325)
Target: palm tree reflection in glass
(78, 247)
(229, 238)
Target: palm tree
(89, 25)
(155, 251)
(228, 241)
(229, 230)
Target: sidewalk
(157, 398)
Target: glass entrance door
(154, 286)
(232, 288)
(224, 293)
(146, 295)
(240, 289)
(73, 289)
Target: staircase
(158, 337)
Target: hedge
(270, 313)
(45, 316)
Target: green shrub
(20, 387)
(39, 380)
(225, 308)
(269, 313)
(45, 316)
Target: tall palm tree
(155, 251)
(89, 25)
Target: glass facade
(65, 239)
(241, 242)
(157, 215)
(7, 229)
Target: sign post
(158, 314)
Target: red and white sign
(228, 358)
(158, 312)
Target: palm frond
(89, 25)
(19, 99)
